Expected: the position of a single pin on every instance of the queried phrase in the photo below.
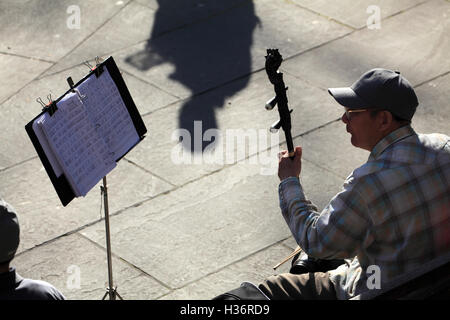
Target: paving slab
(44, 29)
(361, 10)
(433, 112)
(244, 110)
(204, 55)
(17, 72)
(419, 51)
(29, 190)
(22, 107)
(128, 27)
(207, 225)
(254, 268)
(78, 268)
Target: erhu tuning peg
(277, 125)
(270, 104)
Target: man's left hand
(288, 167)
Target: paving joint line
(360, 28)
(98, 245)
(54, 239)
(321, 15)
(26, 57)
(285, 245)
(431, 79)
(279, 242)
(148, 171)
(406, 9)
(149, 83)
(18, 164)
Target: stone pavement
(194, 230)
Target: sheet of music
(54, 162)
(82, 153)
(108, 112)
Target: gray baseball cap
(9, 232)
(380, 89)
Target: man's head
(9, 233)
(379, 102)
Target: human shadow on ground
(208, 42)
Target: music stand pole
(111, 291)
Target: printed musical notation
(88, 133)
(81, 152)
(108, 112)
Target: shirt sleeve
(338, 232)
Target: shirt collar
(390, 139)
(8, 279)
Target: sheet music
(108, 112)
(81, 151)
(91, 129)
(46, 147)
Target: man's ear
(385, 120)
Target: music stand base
(113, 294)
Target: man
(13, 286)
(393, 213)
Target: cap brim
(347, 97)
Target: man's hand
(289, 167)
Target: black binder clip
(39, 100)
(71, 84)
(73, 89)
(51, 107)
(98, 69)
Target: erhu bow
(273, 62)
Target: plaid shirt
(393, 212)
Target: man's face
(362, 127)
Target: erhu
(273, 63)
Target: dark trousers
(307, 286)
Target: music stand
(110, 290)
(61, 183)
